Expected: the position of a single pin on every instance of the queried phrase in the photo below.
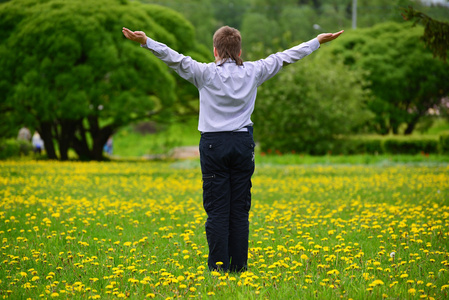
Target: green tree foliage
(68, 72)
(405, 79)
(199, 12)
(309, 105)
(436, 33)
(259, 31)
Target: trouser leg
(216, 199)
(227, 164)
(241, 173)
(239, 223)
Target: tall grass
(136, 229)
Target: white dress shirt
(228, 92)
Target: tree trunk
(99, 137)
(412, 124)
(47, 137)
(66, 136)
(394, 125)
(99, 141)
(79, 143)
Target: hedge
(391, 145)
(444, 144)
(11, 148)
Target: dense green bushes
(391, 145)
(444, 143)
(382, 145)
(11, 148)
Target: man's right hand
(136, 36)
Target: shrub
(360, 146)
(391, 145)
(10, 148)
(444, 144)
(410, 146)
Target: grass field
(77, 230)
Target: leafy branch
(436, 33)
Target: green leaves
(308, 105)
(404, 78)
(68, 60)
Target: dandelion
(332, 272)
(412, 291)
(376, 283)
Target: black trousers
(227, 164)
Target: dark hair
(228, 42)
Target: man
(228, 89)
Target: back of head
(228, 42)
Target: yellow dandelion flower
(412, 291)
(376, 283)
(333, 272)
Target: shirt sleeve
(271, 65)
(185, 66)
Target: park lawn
(136, 229)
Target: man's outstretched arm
(327, 37)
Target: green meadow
(74, 230)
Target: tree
(259, 31)
(436, 33)
(199, 12)
(68, 72)
(405, 79)
(309, 105)
(297, 24)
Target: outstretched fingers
(136, 36)
(337, 34)
(127, 33)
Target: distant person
(38, 143)
(108, 146)
(227, 89)
(24, 134)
